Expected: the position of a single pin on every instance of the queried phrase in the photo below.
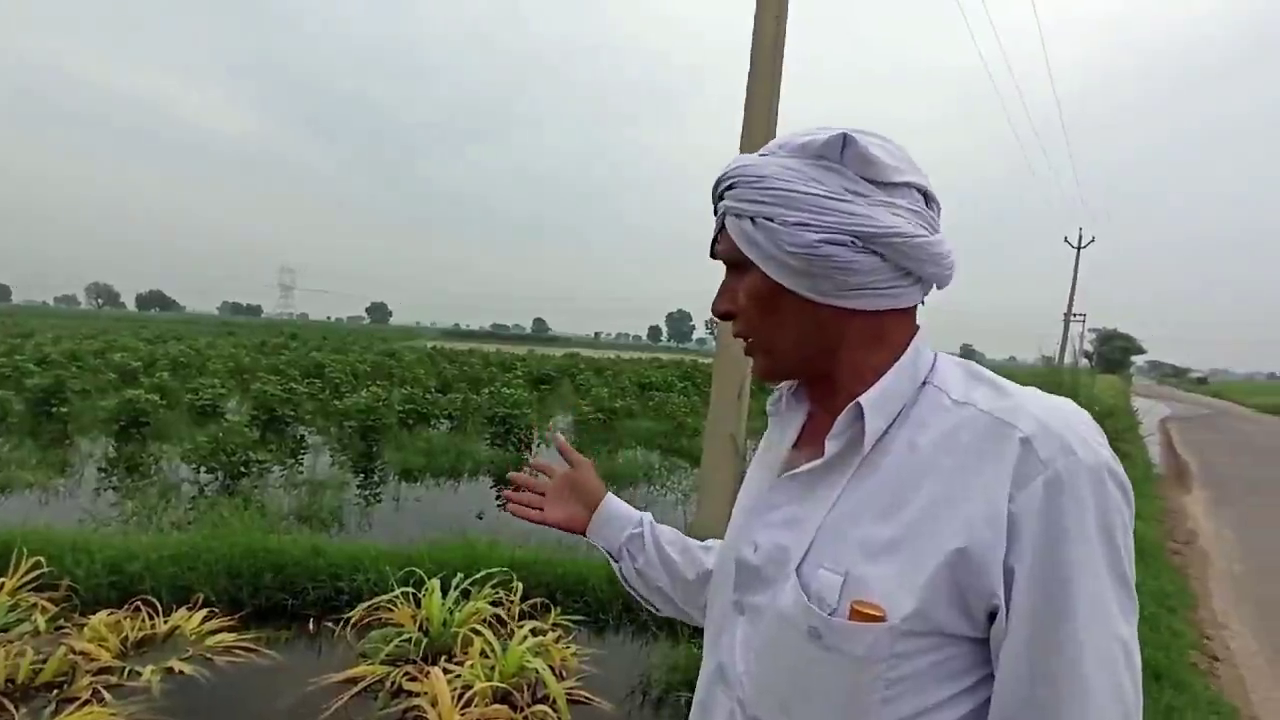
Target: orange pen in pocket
(865, 611)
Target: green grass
(1260, 395)
(288, 578)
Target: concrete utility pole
(724, 436)
(1078, 246)
(1080, 319)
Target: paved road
(1234, 460)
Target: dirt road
(1232, 458)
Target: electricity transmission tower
(1078, 246)
(287, 285)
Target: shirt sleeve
(666, 570)
(1066, 644)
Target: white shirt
(991, 521)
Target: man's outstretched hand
(562, 498)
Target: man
(916, 538)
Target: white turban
(841, 217)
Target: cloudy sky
(497, 159)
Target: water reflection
(283, 690)
(321, 498)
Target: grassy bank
(1260, 395)
(291, 578)
(1176, 687)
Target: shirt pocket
(803, 663)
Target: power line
(1022, 98)
(1004, 107)
(1057, 101)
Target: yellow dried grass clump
(478, 650)
(58, 665)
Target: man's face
(780, 328)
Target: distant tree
(969, 352)
(680, 327)
(456, 326)
(500, 327)
(103, 296)
(700, 342)
(539, 326)
(518, 329)
(1112, 351)
(6, 294)
(66, 300)
(1012, 359)
(654, 334)
(232, 308)
(638, 338)
(710, 326)
(302, 316)
(155, 300)
(378, 312)
(1161, 370)
(597, 335)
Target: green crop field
(292, 472)
(1261, 395)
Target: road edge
(1231, 659)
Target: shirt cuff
(611, 522)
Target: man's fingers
(530, 500)
(571, 456)
(528, 482)
(527, 514)
(544, 467)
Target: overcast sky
(499, 159)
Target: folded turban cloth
(841, 217)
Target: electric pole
(1078, 246)
(1080, 319)
(724, 436)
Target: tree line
(677, 327)
(1110, 351)
(99, 295)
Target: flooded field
(321, 499)
(283, 689)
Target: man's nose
(722, 305)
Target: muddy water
(283, 689)
(407, 514)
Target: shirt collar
(883, 401)
(875, 410)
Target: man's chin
(762, 371)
